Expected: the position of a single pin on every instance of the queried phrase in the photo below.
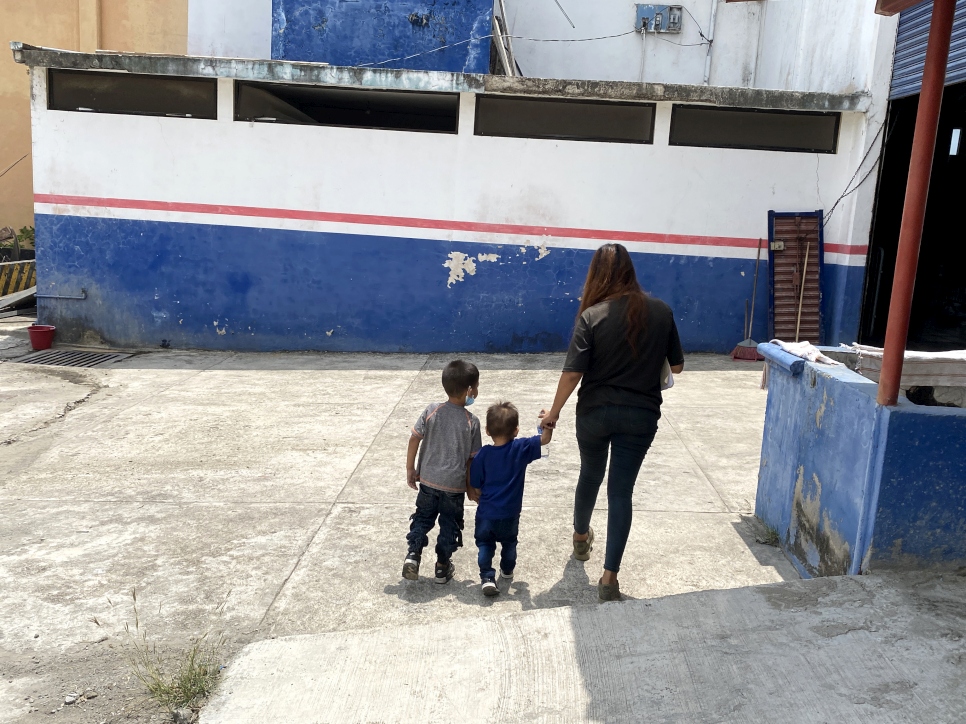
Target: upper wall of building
(809, 45)
(375, 32)
(230, 28)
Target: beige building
(146, 26)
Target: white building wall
(230, 28)
(808, 45)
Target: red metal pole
(917, 192)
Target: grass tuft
(174, 679)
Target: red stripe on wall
(411, 222)
(846, 249)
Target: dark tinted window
(564, 119)
(356, 108)
(755, 129)
(141, 95)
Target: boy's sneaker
(490, 588)
(505, 575)
(444, 571)
(411, 567)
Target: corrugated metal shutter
(793, 238)
(911, 49)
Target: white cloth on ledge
(805, 350)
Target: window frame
(583, 101)
(211, 113)
(770, 111)
(239, 84)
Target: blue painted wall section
(849, 485)
(921, 508)
(815, 473)
(372, 31)
(228, 287)
(841, 303)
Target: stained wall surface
(421, 36)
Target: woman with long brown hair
(621, 339)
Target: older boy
(447, 436)
(497, 476)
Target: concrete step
(872, 649)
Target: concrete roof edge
(714, 95)
(284, 71)
(279, 71)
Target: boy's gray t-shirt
(451, 436)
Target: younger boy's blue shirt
(499, 471)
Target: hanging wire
(565, 13)
(13, 164)
(491, 35)
(849, 191)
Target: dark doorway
(938, 319)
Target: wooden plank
(891, 7)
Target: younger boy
(497, 476)
(450, 436)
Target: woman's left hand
(549, 419)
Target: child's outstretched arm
(547, 432)
(411, 461)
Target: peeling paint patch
(459, 265)
(220, 330)
(542, 251)
(820, 413)
(329, 333)
(487, 257)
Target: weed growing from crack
(768, 537)
(174, 679)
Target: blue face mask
(470, 401)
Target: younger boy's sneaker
(411, 567)
(490, 587)
(505, 575)
(444, 571)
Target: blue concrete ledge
(850, 485)
(780, 358)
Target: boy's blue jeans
(430, 504)
(488, 534)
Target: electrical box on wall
(659, 18)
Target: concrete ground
(875, 649)
(274, 484)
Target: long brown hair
(611, 276)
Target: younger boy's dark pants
(448, 507)
(488, 534)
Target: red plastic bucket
(41, 335)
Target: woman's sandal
(582, 548)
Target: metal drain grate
(70, 358)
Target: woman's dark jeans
(628, 432)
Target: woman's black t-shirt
(612, 374)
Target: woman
(621, 338)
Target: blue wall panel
(229, 287)
(372, 31)
(841, 303)
(921, 512)
(815, 476)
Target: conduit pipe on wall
(707, 60)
